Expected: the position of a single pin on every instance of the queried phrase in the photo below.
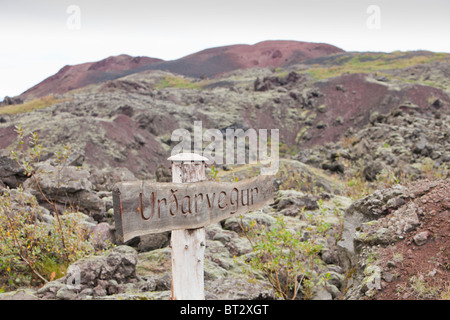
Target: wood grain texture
(143, 207)
(188, 252)
(188, 245)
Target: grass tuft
(29, 106)
(177, 82)
(372, 62)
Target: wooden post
(185, 207)
(188, 245)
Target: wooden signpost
(185, 207)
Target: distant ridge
(206, 63)
(214, 61)
(81, 75)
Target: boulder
(95, 276)
(321, 293)
(68, 186)
(421, 238)
(105, 179)
(235, 223)
(11, 174)
(291, 202)
(148, 242)
(153, 241)
(371, 170)
(333, 166)
(11, 100)
(231, 288)
(423, 147)
(21, 294)
(102, 236)
(362, 212)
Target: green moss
(50, 268)
(301, 133)
(373, 62)
(302, 116)
(177, 82)
(310, 119)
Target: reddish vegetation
(77, 76)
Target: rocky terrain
(401, 239)
(364, 145)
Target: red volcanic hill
(215, 61)
(265, 54)
(206, 63)
(77, 76)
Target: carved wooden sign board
(142, 207)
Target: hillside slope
(216, 61)
(81, 75)
(206, 63)
(364, 143)
(128, 121)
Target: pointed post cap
(182, 157)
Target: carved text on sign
(142, 207)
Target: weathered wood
(185, 206)
(188, 245)
(144, 207)
(188, 252)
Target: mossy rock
(322, 108)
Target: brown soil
(421, 272)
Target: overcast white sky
(39, 37)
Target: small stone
(421, 238)
(432, 273)
(102, 236)
(88, 292)
(409, 254)
(336, 279)
(388, 277)
(21, 294)
(328, 257)
(335, 293)
(99, 291)
(66, 293)
(322, 294)
(391, 264)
